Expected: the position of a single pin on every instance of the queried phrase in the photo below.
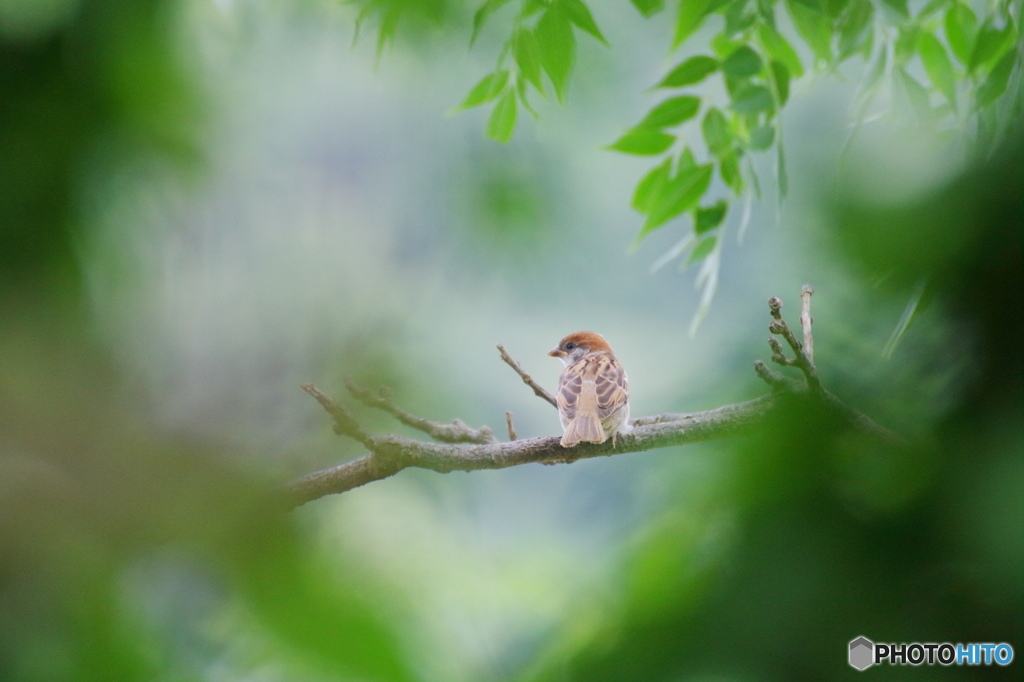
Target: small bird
(592, 391)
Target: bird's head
(578, 345)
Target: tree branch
(344, 423)
(806, 321)
(801, 360)
(804, 361)
(465, 449)
(455, 432)
(390, 454)
(511, 428)
(527, 379)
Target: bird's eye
(570, 345)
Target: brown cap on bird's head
(590, 340)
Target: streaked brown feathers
(593, 391)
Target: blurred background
(205, 203)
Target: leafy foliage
(951, 66)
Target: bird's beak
(556, 353)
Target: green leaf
(481, 15)
(724, 46)
(686, 162)
(876, 71)
(814, 28)
(745, 220)
(752, 99)
(766, 10)
(779, 49)
(931, 8)
(742, 63)
(557, 48)
(580, 15)
(781, 176)
(531, 7)
(649, 8)
(672, 112)
(691, 16)
(503, 118)
(762, 138)
(729, 168)
(650, 185)
(716, 131)
(702, 250)
(674, 252)
(961, 26)
(906, 45)
(489, 87)
(527, 55)
(523, 99)
(899, 6)
(693, 70)
(990, 44)
(643, 142)
(710, 217)
(916, 93)
(938, 66)
(780, 79)
(853, 27)
(715, 5)
(678, 194)
(995, 84)
(906, 318)
(738, 19)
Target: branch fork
(803, 352)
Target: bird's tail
(585, 427)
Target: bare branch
(455, 432)
(527, 379)
(806, 320)
(390, 454)
(801, 360)
(861, 421)
(770, 377)
(344, 423)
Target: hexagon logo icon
(862, 653)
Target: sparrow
(592, 391)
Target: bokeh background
(204, 204)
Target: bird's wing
(596, 383)
(570, 385)
(612, 386)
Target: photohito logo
(864, 653)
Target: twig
(344, 423)
(801, 360)
(455, 432)
(771, 377)
(527, 379)
(511, 429)
(804, 361)
(805, 321)
(861, 421)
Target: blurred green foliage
(73, 76)
(86, 490)
(837, 535)
(812, 536)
